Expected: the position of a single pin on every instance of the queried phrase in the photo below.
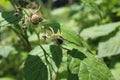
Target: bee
(58, 40)
(55, 37)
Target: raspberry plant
(49, 50)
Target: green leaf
(116, 71)
(88, 68)
(35, 69)
(73, 64)
(54, 25)
(56, 52)
(51, 55)
(77, 54)
(115, 66)
(72, 76)
(70, 35)
(9, 18)
(98, 31)
(94, 69)
(43, 52)
(110, 47)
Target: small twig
(27, 41)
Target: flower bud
(35, 19)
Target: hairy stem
(23, 38)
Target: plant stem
(38, 36)
(27, 41)
(23, 37)
(45, 53)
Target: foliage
(78, 41)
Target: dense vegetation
(59, 40)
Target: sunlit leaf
(98, 31)
(94, 69)
(70, 35)
(89, 68)
(110, 47)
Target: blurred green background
(75, 14)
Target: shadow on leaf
(35, 69)
(72, 76)
(56, 54)
(76, 54)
